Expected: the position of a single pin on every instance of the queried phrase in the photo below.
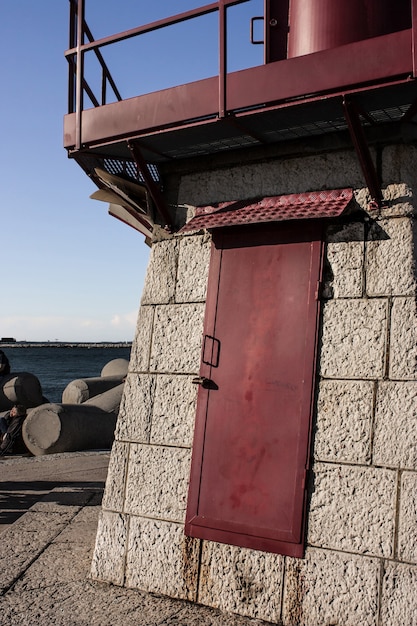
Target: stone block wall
(360, 565)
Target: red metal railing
(81, 42)
(82, 27)
(78, 47)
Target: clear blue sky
(69, 270)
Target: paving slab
(46, 556)
(24, 480)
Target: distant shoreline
(66, 344)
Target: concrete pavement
(26, 479)
(48, 519)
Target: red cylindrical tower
(321, 24)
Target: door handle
(211, 351)
(252, 36)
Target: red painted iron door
(251, 445)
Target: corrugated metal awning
(295, 206)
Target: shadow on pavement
(17, 497)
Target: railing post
(79, 64)
(71, 65)
(103, 86)
(222, 59)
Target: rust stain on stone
(295, 592)
(205, 578)
(190, 551)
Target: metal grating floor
(248, 129)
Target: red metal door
(251, 444)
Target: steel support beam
(362, 150)
(152, 187)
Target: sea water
(55, 366)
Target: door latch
(202, 380)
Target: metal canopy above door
(295, 206)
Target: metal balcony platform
(357, 87)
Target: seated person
(11, 430)
(4, 364)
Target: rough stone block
(193, 264)
(354, 339)
(157, 482)
(160, 278)
(403, 344)
(389, 260)
(141, 347)
(398, 164)
(110, 549)
(391, 162)
(407, 534)
(134, 421)
(399, 598)
(331, 170)
(282, 176)
(362, 198)
(116, 477)
(345, 258)
(174, 411)
(344, 417)
(395, 439)
(161, 559)
(353, 509)
(228, 184)
(241, 581)
(177, 337)
(329, 588)
(398, 200)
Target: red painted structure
(250, 451)
(324, 24)
(257, 375)
(358, 86)
(330, 66)
(294, 206)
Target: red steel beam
(362, 150)
(348, 66)
(222, 59)
(152, 187)
(80, 73)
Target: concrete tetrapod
(84, 389)
(115, 367)
(109, 400)
(53, 428)
(20, 388)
